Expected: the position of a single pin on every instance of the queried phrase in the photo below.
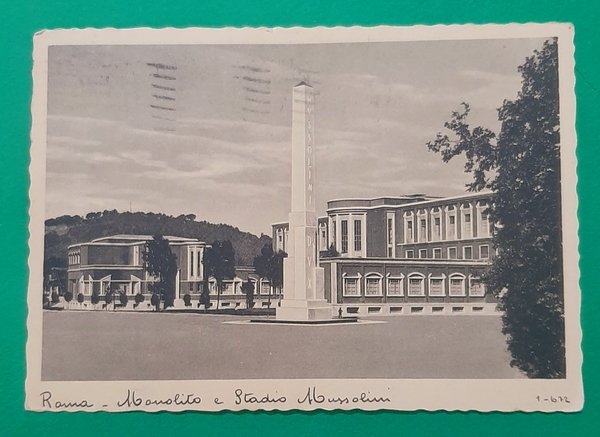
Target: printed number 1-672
(553, 399)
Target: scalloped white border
(405, 394)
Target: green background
(19, 22)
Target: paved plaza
(150, 346)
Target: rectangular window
(437, 253)
(191, 286)
(451, 231)
(452, 253)
(357, 235)
(484, 252)
(409, 231)
(415, 287)
(437, 228)
(410, 253)
(265, 288)
(422, 230)
(350, 286)
(334, 233)
(191, 265)
(467, 252)
(436, 287)
(323, 240)
(391, 237)
(344, 236)
(484, 226)
(467, 227)
(199, 263)
(476, 288)
(457, 287)
(422, 253)
(394, 287)
(373, 287)
(136, 255)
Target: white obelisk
(303, 281)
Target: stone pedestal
(303, 281)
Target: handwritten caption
(133, 399)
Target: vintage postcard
(304, 218)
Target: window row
(449, 253)
(446, 223)
(74, 258)
(414, 285)
(231, 287)
(194, 267)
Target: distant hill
(66, 230)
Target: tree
(521, 165)
(269, 265)
(219, 263)
(277, 270)
(262, 265)
(161, 262)
(248, 290)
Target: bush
(95, 297)
(187, 299)
(68, 296)
(80, 298)
(155, 300)
(123, 298)
(55, 298)
(139, 298)
(108, 298)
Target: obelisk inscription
(303, 291)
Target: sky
(222, 149)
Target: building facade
(115, 263)
(405, 255)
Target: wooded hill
(66, 230)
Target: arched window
(416, 285)
(395, 285)
(373, 284)
(265, 287)
(437, 285)
(237, 285)
(351, 285)
(227, 287)
(457, 285)
(212, 285)
(476, 287)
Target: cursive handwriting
(133, 400)
(48, 402)
(312, 396)
(251, 398)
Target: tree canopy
(219, 263)
(161, 262)
(521, 165)
(269, 265)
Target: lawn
(146, 346)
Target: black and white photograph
(304, 218)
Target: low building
(115, 263)
(405, 255)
